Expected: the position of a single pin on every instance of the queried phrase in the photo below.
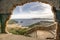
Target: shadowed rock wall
(6, 6)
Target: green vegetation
(12, 22)
(34, 24)
(22, 31)
(42, 23)
(18, 31)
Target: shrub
(18, 31)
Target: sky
(32, 10)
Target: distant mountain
(41, 23)
(43, 18)
(27, 22)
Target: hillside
(42, 23)
(27, 22)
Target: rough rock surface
(6, 6)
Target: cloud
(32, 10)
(27, 16)
(33, 6)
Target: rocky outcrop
(6, 6)
(47, 28)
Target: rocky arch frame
(6, 7)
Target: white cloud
(32, 10)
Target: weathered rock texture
(6, 7)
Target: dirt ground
(42, 35)
(14, 37)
